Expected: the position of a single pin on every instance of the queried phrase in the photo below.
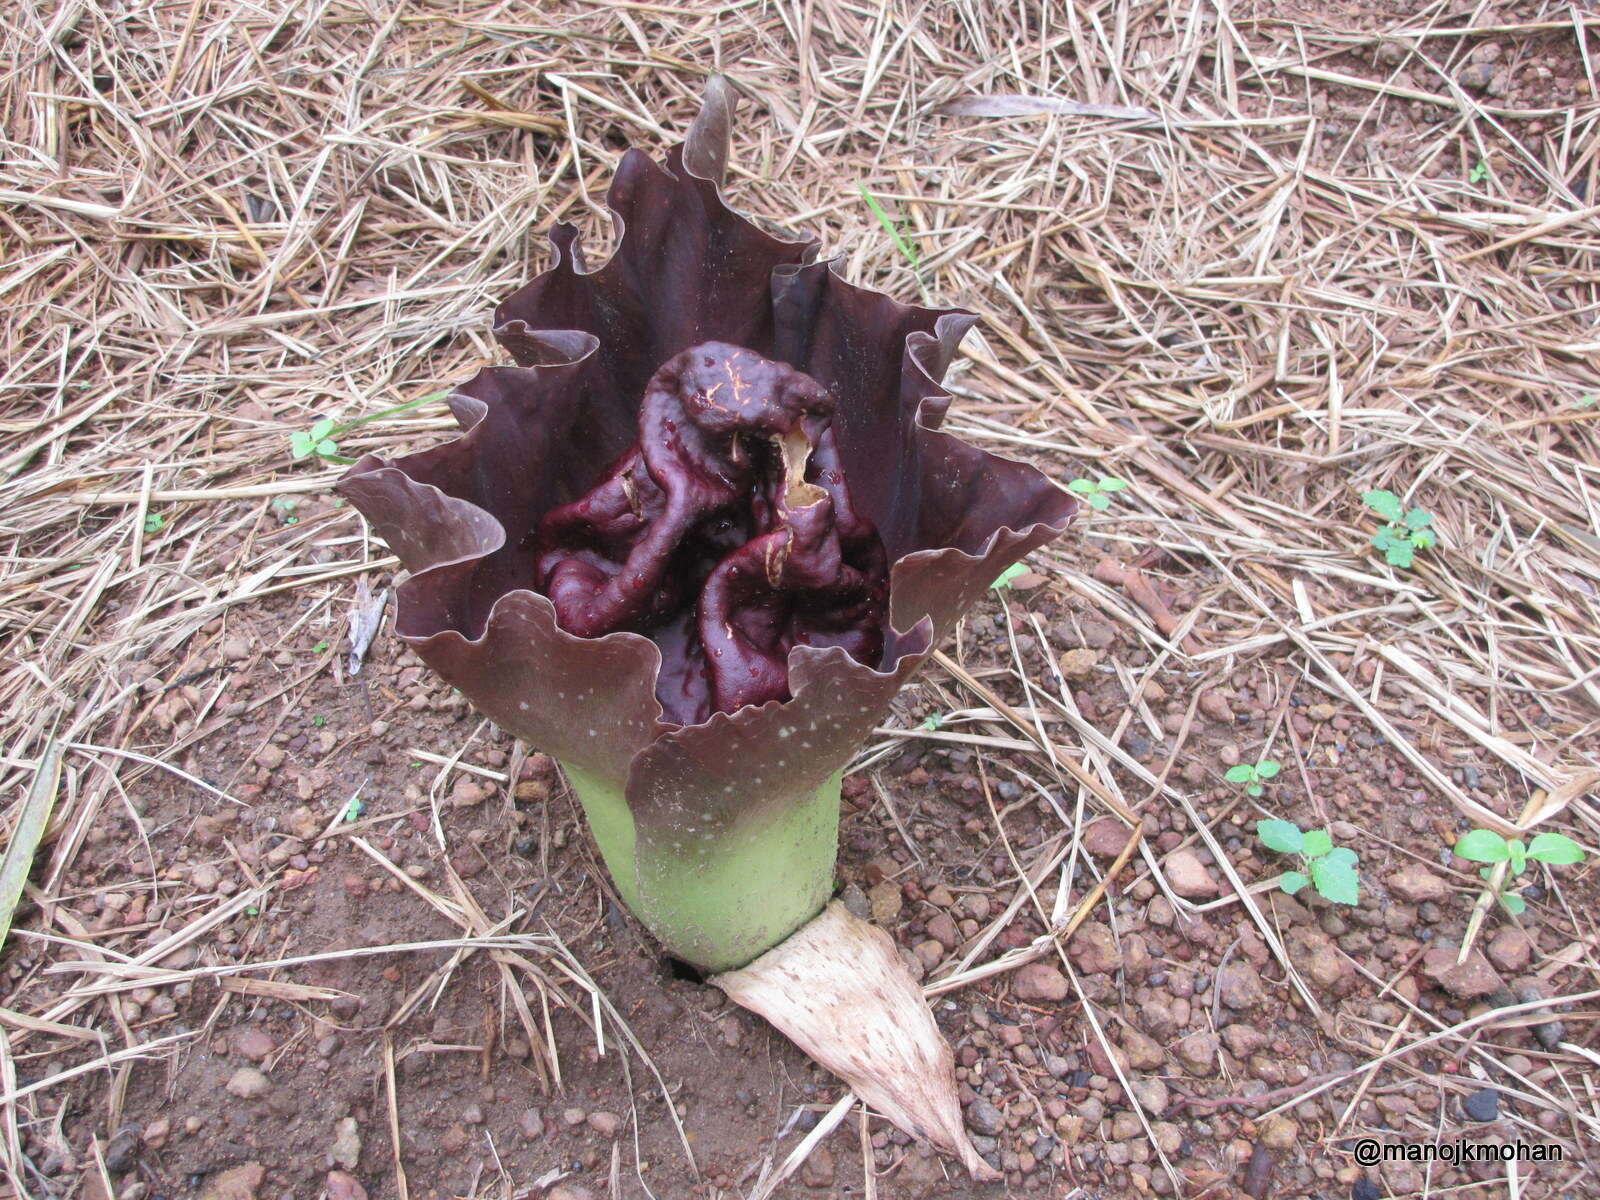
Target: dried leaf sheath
(839, 991)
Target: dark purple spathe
(539, 435)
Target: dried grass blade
(24, 841)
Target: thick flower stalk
(697, 539)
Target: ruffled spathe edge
(591, 702)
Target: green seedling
(353, 810)
(1009, 576)
(320, 440)
(285, 507)
(1096, 493)
(319, 720)
(1487, 846)
(892, 228)
(1479, 172)
(154, 522)
(1251, 776)
(1329, 869)
(932, 723)
(1407, 531)
(319, 647)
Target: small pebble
(1482, 1105)
(247, 1083)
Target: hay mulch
(1254, 260)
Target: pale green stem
(721, 897)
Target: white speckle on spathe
(523, 705)
(594, 733)
(784, 732)
(805, 745)
(561, 695)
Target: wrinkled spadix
(838, 989)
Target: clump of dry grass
(1206, 260)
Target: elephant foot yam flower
(691, 545)
(719, 527)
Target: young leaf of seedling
(1097, 492)
(1009, 574)
(318, 440)
(1283, 836)
(1556, 848)
(1316, 843)
(154, 522)
(932, 723)
(1515, 904)
(1243, 773)
(1267, 768)
(1482, 845)
(1336, 881)
(1292, 881)
(1399, 554)
(1386, 504)
(1341, 854)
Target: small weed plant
(1097, 493)
(1487, 846)
(1329, 869)
(320, 438)
(892, 227)
(317, 440)
(1407, 530)
(1253, 777)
